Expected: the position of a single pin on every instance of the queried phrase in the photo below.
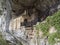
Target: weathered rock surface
(41, 7)
(14, 13)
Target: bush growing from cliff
(51, 21)
(0, 12)
(2, 41)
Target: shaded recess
(39, 8)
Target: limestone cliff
(20, 17)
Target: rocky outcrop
(42, 8)
(17, 14)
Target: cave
(27, 14)
(33, 11)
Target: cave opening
(25, 22)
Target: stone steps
(30, 32)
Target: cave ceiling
(41, 6)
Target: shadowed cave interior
(35, 12)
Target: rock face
(19, 17)
(24, 2)
(41, 7)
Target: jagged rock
(40, 9)
(24, 2)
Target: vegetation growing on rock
(51, 21)
(2, 41)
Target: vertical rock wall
(13, 31)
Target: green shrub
(53, 20)
(2, 41)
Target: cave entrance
(25, 22)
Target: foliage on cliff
(2, 41)
(51, 21)
(0, 12)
